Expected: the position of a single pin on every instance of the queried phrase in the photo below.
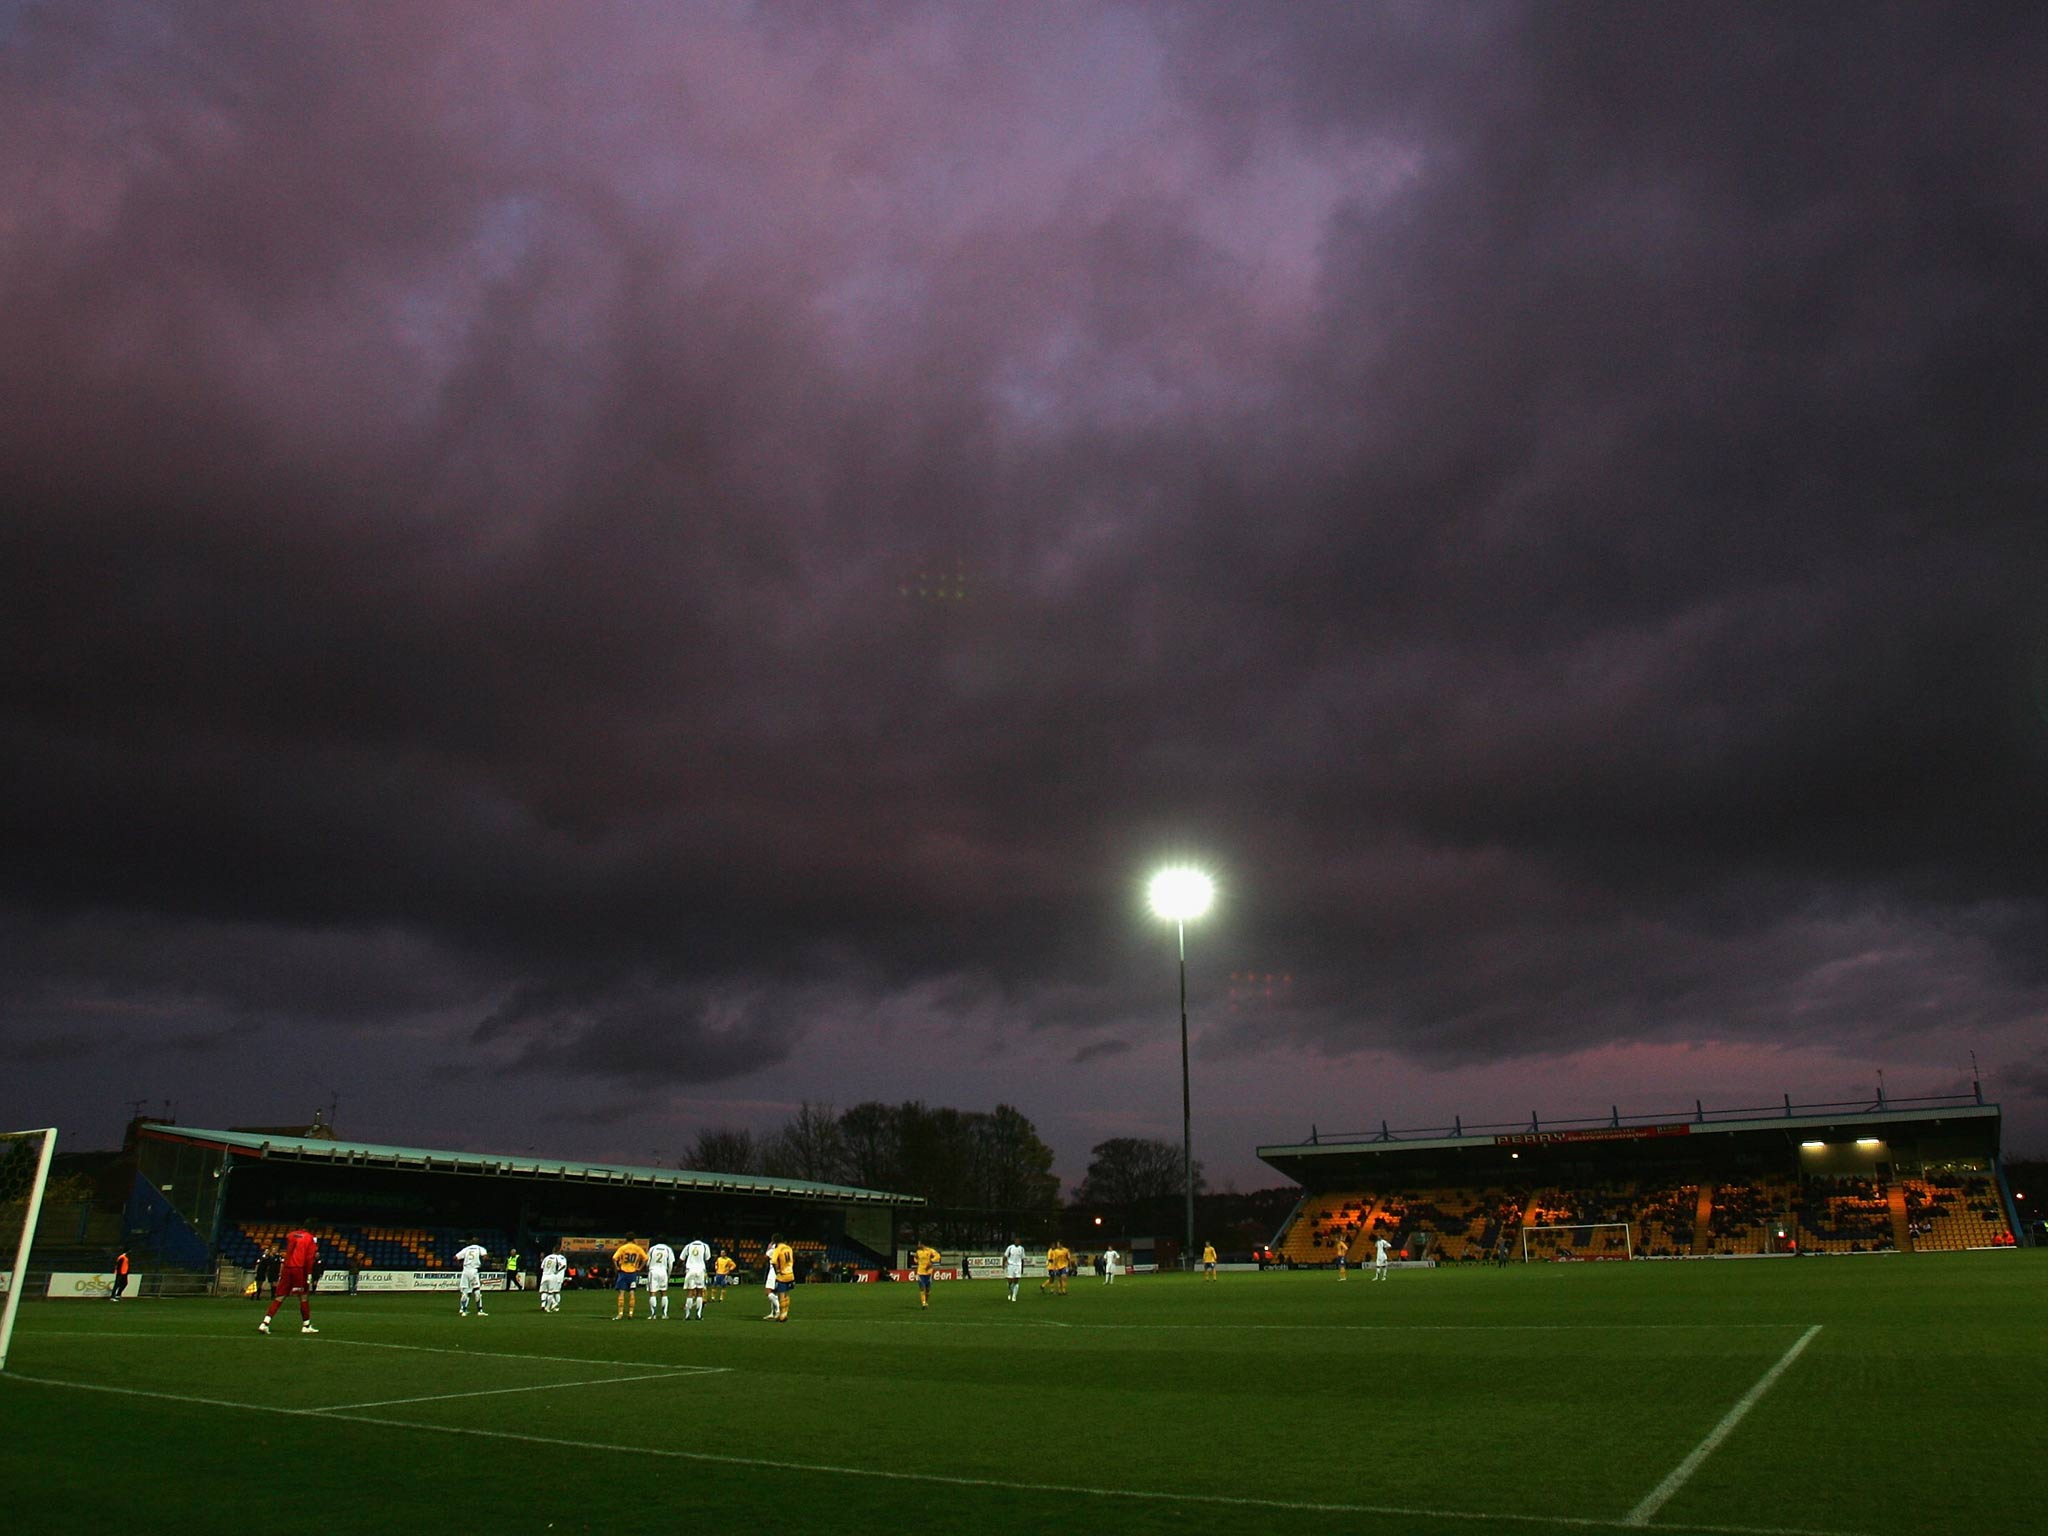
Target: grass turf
(1550, 1397)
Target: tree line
(983, 1175)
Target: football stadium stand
(205, 1204)
(1891, 1176)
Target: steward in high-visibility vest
(512, 1270)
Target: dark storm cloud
(602, 547)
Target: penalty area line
(542, 1386)
(939, 1479)
(1677, 1478)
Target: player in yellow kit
(1058, 1260)
(628, 1259)
(782, 1265)
(1343, 1250)
(1208, 1261)
(926, 1261)
(723, 1267)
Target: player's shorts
(924, 1282)
(472, 1280)
(1013, 1274)
(550, 1285)
(783, 1287)
(657, 1280)
(693, 1279)
(626, 1282)
(293, 1282)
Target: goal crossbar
(32, 1208)
(1628, 1247)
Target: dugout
(1888, 1175)
(200, 1193)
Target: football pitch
(1854, 1396)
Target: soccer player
(696, 1262)
(725, 1267)
(552, 1270)
(295, 1278)
(1208, 1261)
(1380, 1248)
(781, 1276)
(472, 1282)
(660, 1260)
(628, 1259)
(1013, 1268)
(1343, 1248)
(1057, 1258)
(923, 1261)
(1109, 1258)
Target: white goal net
(1578, 1240)
(24, 1170)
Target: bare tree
(811, 1146)
(723, 1149)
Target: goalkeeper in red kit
(301, 1254)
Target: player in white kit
(696, 1277)
(553, 1269)
(472, 1282)
(660, 1260)
(1379, 1257)
(1013, 1268)
(1109, 1266)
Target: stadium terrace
(1885, 1176)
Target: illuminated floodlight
(1181, 894)
(1811, 1146)
(1868, 1141)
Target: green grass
(1532, 1399)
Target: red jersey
(301, 1250)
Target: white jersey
(1109, 1262)
(472, 1257)
(696, 1261)
(552, 1270)
(1013, 1262)
(1380, 1247)
(661, 1257)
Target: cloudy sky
(570, 574)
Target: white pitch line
(812, 1320)
(941, 1479)
(330, 1341)
(1676, 1479)
(545, 1386)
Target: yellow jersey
(783, 1258)
(725, 1264)
(1058, 1258)
(924, 1259)
(629, 1258)
(1208, 1253)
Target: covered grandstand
(197, 1202)
(1885, 1176)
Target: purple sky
(570, 574)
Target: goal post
(24, 1172)
(1579, 1240)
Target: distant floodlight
(1181, 894)
(1868, 1141)
(1811, 1146)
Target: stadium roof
(1343, 1154)
(321, 1151)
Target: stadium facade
(1886, 1175)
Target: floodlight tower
(1179, 895)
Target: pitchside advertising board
(407, 1280)
(69, 1283)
